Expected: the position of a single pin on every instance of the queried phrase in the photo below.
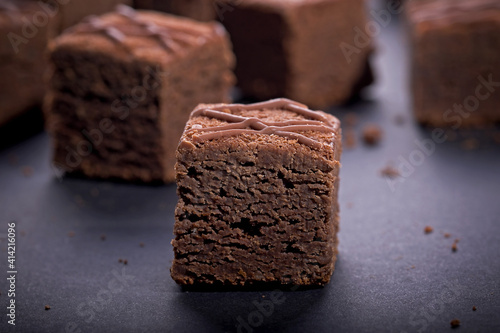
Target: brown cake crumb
(454, 247)
(470, 144)
(447, 235)
(351, 119)
(428, 229)
(455, 323)
(372, 134)
(390, 172)
(120, 261)
(125, 261)
(13, 159)
(27, 171)
(496, 137)
(47, 307)
(451, 135)
(474, 308)
(350, 139)
(103, 237)
(71, 234)
(399, 119)
(94, 192)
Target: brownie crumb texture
(47, 307)
(428, 229)
(474, 308)
(372, 134)
(454, 247)
(390, 172)
(258, 187)
(455, 323)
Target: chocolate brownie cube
(122, 88)
(304, 50)
(455, 61)
(257, 187)
(25, 29)
(201, 10)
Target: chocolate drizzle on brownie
(240, 124)
(170, 38)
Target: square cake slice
(25, 30)
(257, 187)
(307, 50)
(123, 86)
(201, 10)
(455, 62)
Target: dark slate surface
(390, 276)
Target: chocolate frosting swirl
(170, 38)
(239, 124)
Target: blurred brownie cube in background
(313, 51)
(257, 187)
(25, 29)
(122, 88)
(455, 61)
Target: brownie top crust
(278, 121)
(141, 34)
(446, 11)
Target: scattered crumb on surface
(71, 234)
(350, 119)
(455, 323)
(13, 159)
(103, 237)
(451, 135)
(457, 240)
(412, 267)
(470, 144)
(390, 172)
(47, 307)
(428, 229)
(27, 171)
(496, 138)
(79, 201)
(120, 260)
(125, 261)
(454, 247)
(474, 308)
(350, 141)
(447, 235)
(141, 244)
(372, 134)
(399, 119)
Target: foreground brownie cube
(304, 50)
(25, 29)
(455, 61)
(122, 89)
(257, 187)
